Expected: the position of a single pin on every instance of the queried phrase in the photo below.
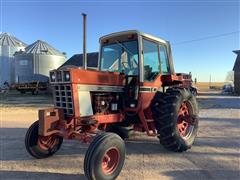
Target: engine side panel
(99, 99)
(85, 102)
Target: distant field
(204, 86)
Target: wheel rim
(47, 142)
(185, 123)
(110, 160)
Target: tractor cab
(141, 58)
(120, 53)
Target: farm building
(236, 69)
(8, 46)
(36, 61)
(77, 61)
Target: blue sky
(60, 24)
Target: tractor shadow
(71, 155)
(202, 174)
(39, 175)
(142, 144)
(16, 163)
(13, 146)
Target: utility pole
(210, 79)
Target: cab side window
(164, 60)
(151, 60)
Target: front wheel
(41, 146)
(105, 157)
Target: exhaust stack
(84, 41)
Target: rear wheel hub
(185, 123)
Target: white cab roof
(132, 32)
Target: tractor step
(149, 120)
(152, 133)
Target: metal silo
(36, 61)
(8, 46)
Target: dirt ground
(205, 86)
(215, 154)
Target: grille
(63, 98)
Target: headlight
(67, 76)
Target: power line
(117, 1)
(205, 38)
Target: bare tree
(230, 76)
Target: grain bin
(36, 61)
(8, 46)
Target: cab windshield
(120, 57)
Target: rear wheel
(41, 146)
(105, 157)
(175, 114)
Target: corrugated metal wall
(7, 63)
(35, 67)
(8, 46)
(23, 68)
(19, 63)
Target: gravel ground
(215, 154)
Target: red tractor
(133, 89)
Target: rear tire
(176, 117)
(41, 146)
(105, 157)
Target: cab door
(151, 72)
(164, 60)
(155, 63)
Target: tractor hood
(88, 77)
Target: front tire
(176, 117)
(41, 146)
(105, 157)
